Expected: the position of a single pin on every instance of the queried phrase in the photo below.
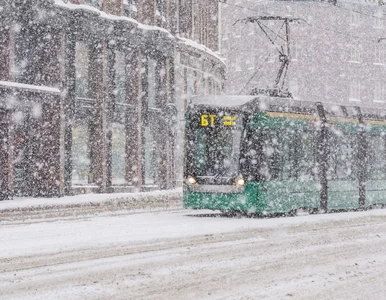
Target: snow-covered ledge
(111, 17)
(28, 87)
(200, 47)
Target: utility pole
(284, 51)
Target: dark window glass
(376, 157)
(342, 157)
(290, 154)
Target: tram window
(306, 156)
(342, 158)
(273, 150)
(217, 152)
(289, 155)
(251, 162)
(376, 157)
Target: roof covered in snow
(223, 101)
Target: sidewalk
(129, 201)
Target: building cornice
(123, 31)
(187, 45)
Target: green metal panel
(343, 195)
(375, 192)
(285, 196)
(282, 197)
(375, 128)
(244, 201)
(266, 197)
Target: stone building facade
(336, 55)
(91, 91)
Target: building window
(191, 84)
(118, 164)
(81, 153)
(237, 63)
(209, 86)
(120, 78)
(295, 51)
(379, 54)
(354, 18)
(250, 62)
(81, 70)
(94, 3)
(149, 157)
(160, 12)
(225, 32)
(150, 143)
(251, 29)
(355, 54)
(293, 11)
(19, 59)
(378, 20)
(271, 53)
(118, 157)
(294, 88)
(81, 174)
(379, 92)
(130, 7)
(152, 84)
(355, 91)
(185, 76)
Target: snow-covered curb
(120, 201)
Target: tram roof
(223, 101)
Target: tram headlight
(240, 181)
(192, 180)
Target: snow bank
(120, 200)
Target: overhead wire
(261, 65)
(353, 10)
(254, 74)
(243, 7)
(313, 26)
(319, 27)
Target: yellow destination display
(229, 120)
(211, 119)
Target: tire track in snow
(309, 261)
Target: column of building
(62, 128)
(5, 119)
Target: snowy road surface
(187, 255)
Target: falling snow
(179, 149)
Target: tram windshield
(216, 149)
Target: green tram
(264, 155)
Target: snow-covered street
(194, 255)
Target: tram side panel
(288, 172)
(376, 163)
(280, 164)
(343, 165)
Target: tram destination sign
(215, 120)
